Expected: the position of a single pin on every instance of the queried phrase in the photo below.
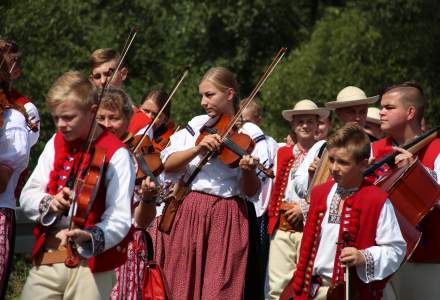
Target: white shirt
(32, 112)
(14, 152)
(300, 183)
(119, 181)
(266, 151)
(386, 256)
(215, 178)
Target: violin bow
(269, 69)
(156, 118)
(92, 130)
(413, 146)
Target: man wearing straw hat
(285, 212)
(350, 106)
(372, 125)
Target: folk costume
(369, 218)
(109, 221)
(14, 155)
(284, 241)
(419, 277)
(206, 252)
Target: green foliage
(332, 44)
(366, 44)
(20, 269)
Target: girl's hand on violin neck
(211, 142)
(60, 202)
(352, 257)
(248, 163)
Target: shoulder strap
(148, 241)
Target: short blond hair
(103, 55)
(72, 82)
(117, 100)
(353, 138)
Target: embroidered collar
(344, 193)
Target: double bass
(414, 194)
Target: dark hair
(159, 97)
(411, 93)
(353, 138)
(116, 99)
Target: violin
(162, 135)
(85, 187)
(234, 147)
(146, 152)
(173, 201)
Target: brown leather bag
(284, 225)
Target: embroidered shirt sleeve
(369, 265)
(95, 246)
(46, 217)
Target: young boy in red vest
(401, 116)
(47, 200)
(351, 223)
(284, 212)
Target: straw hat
(351, 96)
(373, 115)
(305, 107)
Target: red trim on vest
(19, 98)
(364, 209)
(65, 161)
(285, 161)
(138, 121)
(430, 226)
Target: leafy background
(332, 44)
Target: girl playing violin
(114, 114)
(206, 252)
(47, 199)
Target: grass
(21, 264)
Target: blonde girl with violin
(48, 194)
(206, 252)
(14, 157)
(114, 114)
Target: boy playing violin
(350, 223)
(47, 199)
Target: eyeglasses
(108, 73)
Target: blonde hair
(117, 100)
(103, 55)
(72, 82)
(353, 138)
(223, 79)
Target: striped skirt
(205, 255)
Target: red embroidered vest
(429, 246)
(360, 215)
(285, 161)
(66, 160)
